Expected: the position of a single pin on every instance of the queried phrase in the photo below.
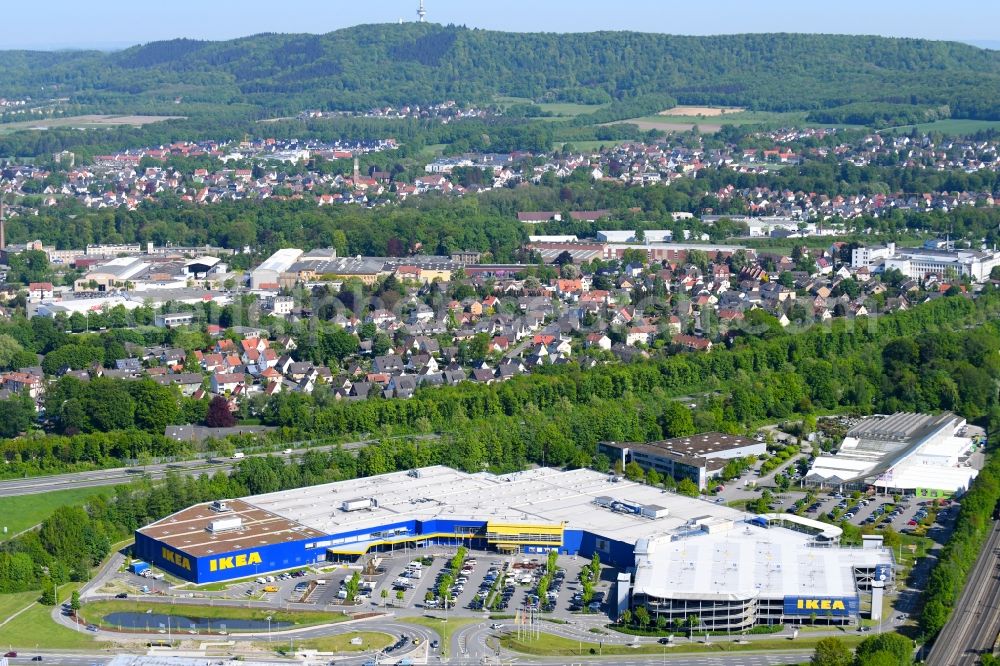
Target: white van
(239, 455)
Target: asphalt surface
(974, 625)
(720, 659)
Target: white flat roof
(882, 446)
(534, 496)
(749, 562)
(280, 260)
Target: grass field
(667, 121)
(559, 110)
(557, 646)
(24, 511)
(12, 603)
(35, 626)
(949, 126)
(433, 150)
(96, 611)
(442, 627)
(370, 640)
(86, 122)
(568, 109)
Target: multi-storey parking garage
(688, 556)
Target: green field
(949, 126)
(96, 611)
(35, 627)
(444, 628)
(12, 603)
(371, 640)
(569, 109)
(22, 512)
(709, 124)
(559, 110)
(550, 645)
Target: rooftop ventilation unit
(358, 504)
(225, 524)
(221, 506)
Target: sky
(110, 24)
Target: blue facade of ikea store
(291, 554)
(821, 606)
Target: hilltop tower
(421, 12)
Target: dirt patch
(91, 121)
(707, 111)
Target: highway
(974, 626)
(118, 475)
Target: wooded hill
(364, 66)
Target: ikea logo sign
(176, 559)
(821, 606)
(234, 562)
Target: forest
(373, 65)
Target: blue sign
(883, 572)
(822, 606)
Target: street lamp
(268, 628)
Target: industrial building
(665, 537)
(908, 453)
(267, 275)
(919, 263)
(697, 457)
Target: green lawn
(569, 109)
(35, 626)
(950, 126)
(433, 150)
(550, 645)
(713, 123)
(22, 512)
(443, 628)
(371, 640)
(96, 611)
(11, 603)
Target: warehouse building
(909, 453)
(697, 457)
(268, 274)
(662, 536)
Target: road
(975, 623)
(718, 659)
(119, 475)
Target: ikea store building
(676, 553)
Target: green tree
(687, 487)
(890, 649)
(642, 617)
(676, 420)
(352, 586)
(337, 344)
(16, 415)
(48, 597)
(74, 601)
(831, 651)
